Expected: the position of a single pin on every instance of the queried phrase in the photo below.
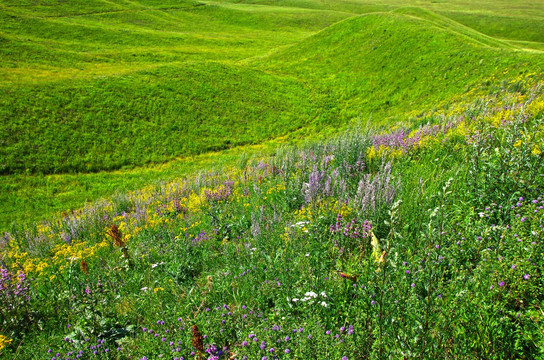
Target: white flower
(300, 224)
(144, 289)
(311, 294)
(324, 304)
(294, 300)
(323, 294)
(253, 249)
(307, 255)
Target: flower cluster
(14, 289)
(352, 229)
(311, 297)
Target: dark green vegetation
(98, 86)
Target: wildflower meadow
(419, 241)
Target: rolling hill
(99, 86)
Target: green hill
(98, 86)
(387, 64)
(265, 179)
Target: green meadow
(100, 86)
(290, 179)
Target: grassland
(424, 241)
(99, 86)
(296, 179)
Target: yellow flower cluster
(60, 256)
(330, 206)
(4, 341)
(383, 152)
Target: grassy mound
(117, 85)
(150, 116)
(382, 64)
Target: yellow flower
(158, 289)
(517, 143)
(536, 151)
(4, 341)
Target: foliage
(422, 254)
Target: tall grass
(424, 243)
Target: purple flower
(344, 358)
(413, 285)
(514, 266)
(287, 351)
(501, 283)
(526, 276)
(407, 271)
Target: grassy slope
(147, 117)
(116, 53)
(386, 63)
(459, 276)
(184, 107)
